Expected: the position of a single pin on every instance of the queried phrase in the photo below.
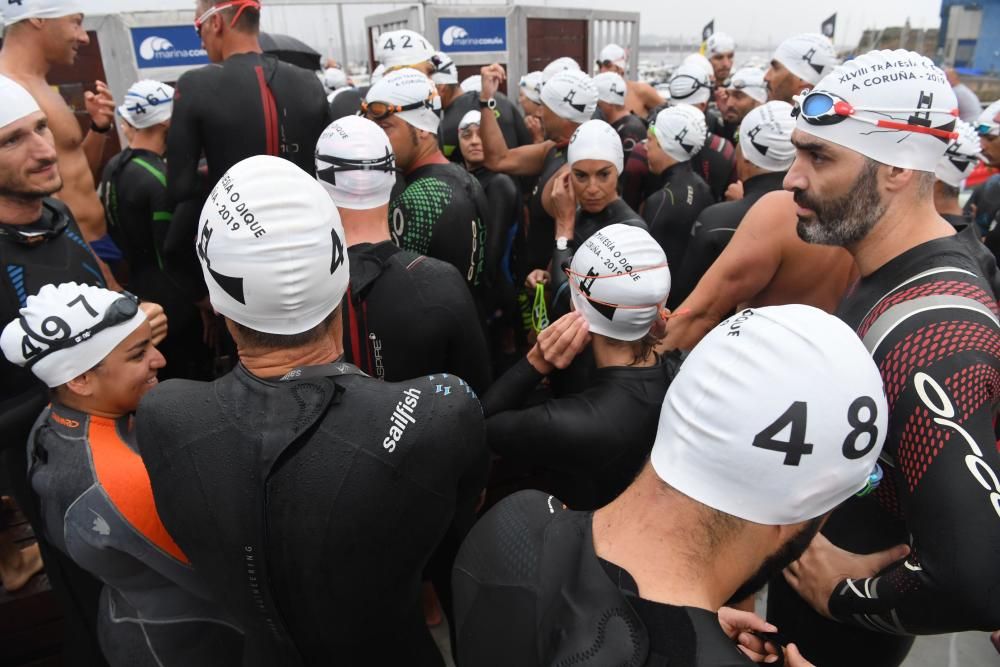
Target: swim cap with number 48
(776, 417)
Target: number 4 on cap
(796, 446)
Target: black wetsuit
(632, 131)
(346, 103)
(716, 163)
(503, 197)
(407, 315)
(138, 214)
(538, 242)
(595, 440)
(508, 116)
(530, 591)
(443, 213)
(672, 210)
(637, 182)
(250, 104)
(711, 232)
(929, 318)
(312, 506)
(65, 257)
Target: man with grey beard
(868, 139)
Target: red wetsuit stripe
(352, 324)
(270, 112)
(368, 345)
(122, 475)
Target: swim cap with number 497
(776, 417)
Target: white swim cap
(611, 88)
(777, 416)
(614, 54)
(751, 81)
(596, 140)
(272, 247)
(445, 72)
(472, 83)
(376, 74)
(720, 42)
(147, 103)
(701, 61)
(20, 10)
(571, 95)
(624, 301)
(988, 123)
(903, 92)
(680, 133)
(334, 78)
(75, 314)
(559, 65)
(471, 118)
(690, 84)
(402, 48)
(531, 86)
(355, 163)
(766, 136)
(809, 56)
(961, 156)
(405, 87)
(15, 102)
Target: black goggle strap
(386, 163)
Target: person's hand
(492, 76)
(209, 322)
(740, 626)
(100, 105)
(735, 191)
(534, 125)
(824, 565)
(535, 277)
(560, 343)
(564, 205)
(157, 320)
(794, 659)
(721, 99)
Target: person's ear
(895, 179)
(82, 385)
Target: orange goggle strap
(576, 286)
(215, 9)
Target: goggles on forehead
(386, 163)
(215, 9)
(743, 85)
(55, 334)
(822, 108)
(465, 131)
(988, 129)
(382, 110)
(697, 85)
(442, 65)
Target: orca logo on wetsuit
(230, 285)
(570, 96)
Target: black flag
(708, 30)
(829, 26)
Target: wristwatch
(488, 104)
(100, 130)
(562, 243)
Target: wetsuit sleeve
(503, 200)
(942, 380)
(468, 355)
(184, 150)
(511, 388)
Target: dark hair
(269, 341)
(949, 191)
(248, 22)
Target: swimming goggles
(382, 110)
(874, 479)
(697, 85)
(215, 9)
(822, 108)
(988, 129)
(386, 163)
(120, 311)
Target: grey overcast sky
(763, 23)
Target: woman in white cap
(595, 439)
(762, 159)
(749, 456)
(676, 136)
(93, 348)
(139, 212)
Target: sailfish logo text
(401, 417)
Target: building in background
(970, 35)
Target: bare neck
(947, 205)
(23, 57)
(268, 363)
(14, 211)
(366, 225)
(615, 114)
(908, 222)
(428, 152)
(152, 140)
(237, 42)
(615, 353)
(656, 536)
